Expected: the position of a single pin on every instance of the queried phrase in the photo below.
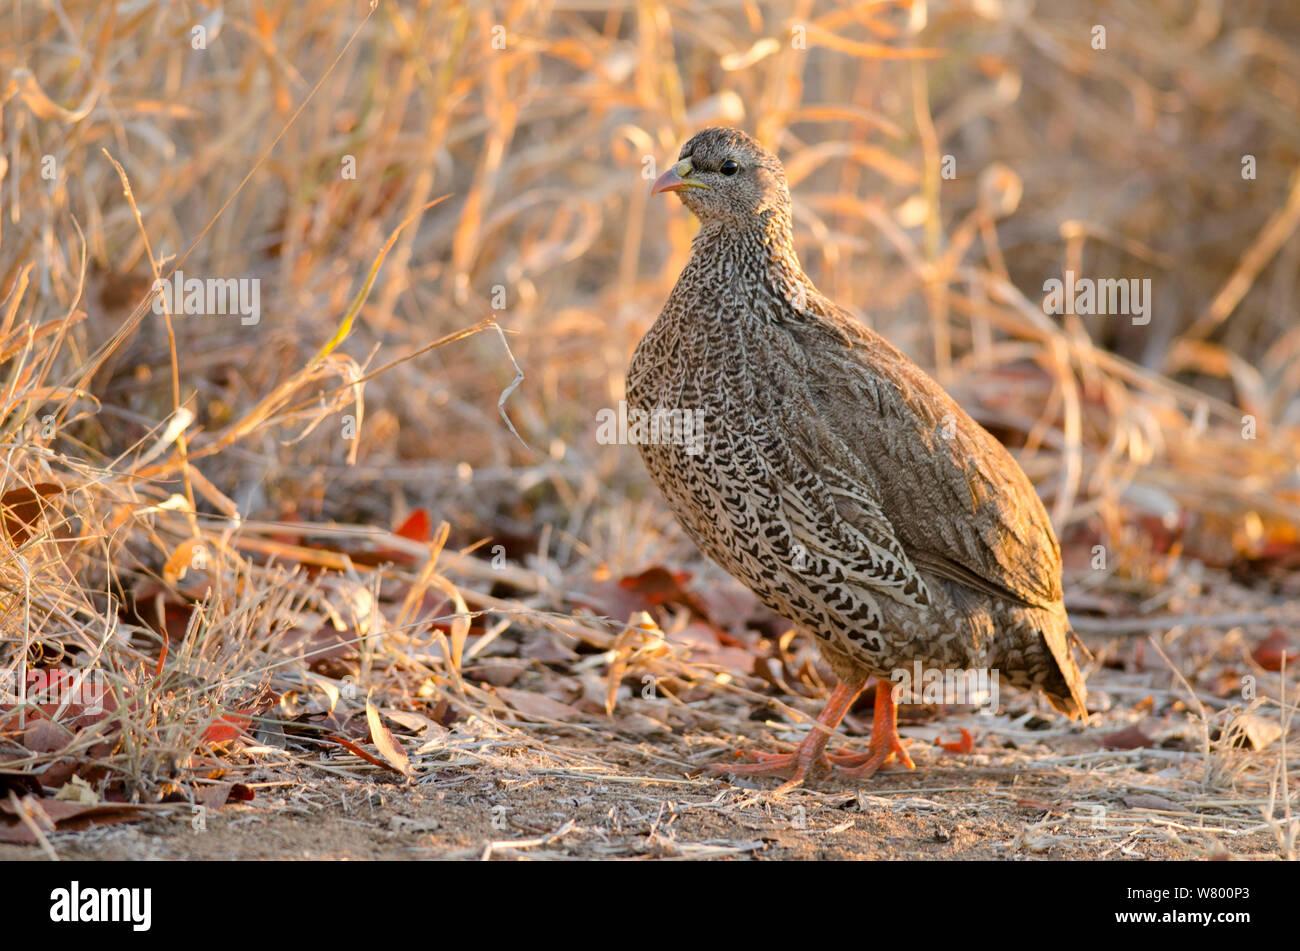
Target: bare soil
(565, 794)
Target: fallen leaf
(1130, 738)
(653, 587)
(499, 672)
(46, 736)
(1256, 731)
(1274, 650)
(417, 527)
(326, 649)
(215, 796)
(415, 722)
(1151, 801)
(77, 790)
(387, 745)
(228, 726)
(355, 750)
(190, 553)
(964, 745)
(1034, 804)
(21, 509)
(546, 646)
(64, 816)
(537, 706)
(641, 725)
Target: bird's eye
(729, 167)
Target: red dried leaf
(964, 745)
(658, 585)
(21, 509)
(417, 527)
(65, 816)
(216, 796)
(1273, 650)
(228, 726)
(652, 588)
(355, 750)
(46, 736)
(1034, 804)
(1130, 738)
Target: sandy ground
(563, 793)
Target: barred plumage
(836, 479)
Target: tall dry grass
(946, 160)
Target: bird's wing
(957, 503)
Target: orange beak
(676, 179)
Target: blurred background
(946, 160)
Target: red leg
(811, 752)
(884, 742)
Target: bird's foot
(801, 763)
(863, 766)
(803, 766)
(811, 754)
(885, 742)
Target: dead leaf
(536, 705)
(499, 672)
(77, 790)
(963, 745)
(229, 726)
(653, 587)
(1151, 801)
(547, 646)
(46, 736)
(418, 527)
(1255, 731)
(326, 649)
(355, 750)
(1035, 804)
(641, 725)
(61, 816)
(1130, 738)
(415, 722)
(1274, 650)
(214, 796)
(190, 553)
(22, 509)
(640, 641)
(387, 745)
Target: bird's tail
(1069, 694)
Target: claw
(811, 755)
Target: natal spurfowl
(835, 478)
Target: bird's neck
(760, 250)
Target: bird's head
(725, 177)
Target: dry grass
(207, 520)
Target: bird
(832, 476)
